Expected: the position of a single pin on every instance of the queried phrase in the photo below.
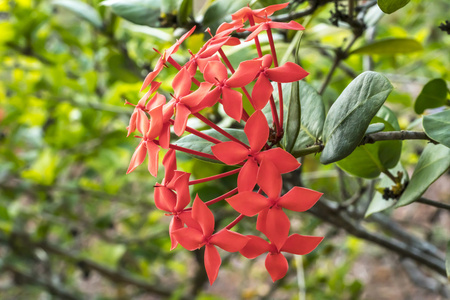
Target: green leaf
(369, 160)
(196, 143)
(390, 6)
(350, 115)
(219, 10)
(293, 117)
(390, 46)
(142, 12)
(433, 94)
(378, 203)
(433, 162)
(437, 127)
(375, 127)
(388, 115)
(83, 10)
(185, 11)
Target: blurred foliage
(73, 226)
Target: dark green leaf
(388, 115)
(293, 117)
(433, 162)
(350, 115)
(390, 6)
(433, 94)
(369, 160)
(142, 12)
(219, 10)
(83, 10)
(378, 203)
(389, 47)
(376, 127)
(196, 143)
(437, 127)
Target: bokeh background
(74, 226)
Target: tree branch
(395, 135)
(434, 203)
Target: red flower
(276, 263)
(216, 73)
(272, 221)
(201, 235)
(232, 153)
(258, 15)
(262, 90)
(270, 24)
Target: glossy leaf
(293, 117)
(83, 10)
(433, 162)
(378, 203)
(437, 127)
(390, 46)
(142, 12)
(196, 143)
(433, 94)
(390, 6)
(375, 127)
(185, 11)
(350, 115)
(369, 160)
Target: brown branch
(434, 203)
(395, 135)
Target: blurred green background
(74, 226)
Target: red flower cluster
(259, 164)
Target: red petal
(245, 73)
(276, 265)
(165, 198)
(232, 103)
(289, 72)
(212, 262)
(202, 62)
(256, 30)
(196, 97)
(269, 10)
(170, 165)
(182, 189)
(152, 75)
(301, 244)
(261, 92)
(257, 131)
(132, 125)
(247, 176)
(254, 247)
(175, 224)
(266, 61)
(181, 118)
(277, 226)
(248, 203)
(156, 101)
(142, 122)
(164, 136)
(229, 240)
(202, 214)
(189, 238)
(182, 83)
(282, 159)
(269, 179)
(215, 71)
(230, 153)
(153, 158)
(291, 25)
(209, 100)
(138, 157)
(156, 123)
(299, 199)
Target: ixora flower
(258, 162)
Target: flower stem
(237, 220)
(280, 91)
(199, 134)
(257, 44)
(220, 198)
(189, 151)
(178, 67)
(218, 129)
(211, 178)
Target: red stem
(218, 129)
(273, 108)
(189, 151)
(211, 178)
(226, 195)
(199, 134)
(280, 91)
(257, 44)
(237, 220)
